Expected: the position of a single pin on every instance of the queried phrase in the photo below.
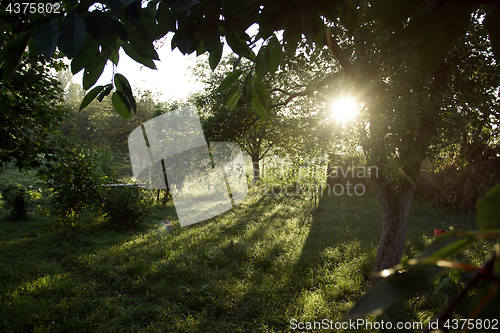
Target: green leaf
(46, 36)
(114, 56)
(238, 45)
(12, 53)
(229, 80)
(262, 62)
(185, 40)
(249, 54)
(201, 49)
(262, 94)
(275, 54)
(122, 85)
(166, 20)
(145, 25)
(93, 71)
(259, 109)
(90, 96)
(97, 24)
(32, 49)
(215, 56)
(248, 89)
(129, 50)
(394, 288)
(311, 27)
(448, 244)
(108, 41)
(89, 52)
(348, 16)
(72, 34)
(120, 104)
(211, 38)
(232, 98)
(443, 283)
(119, 27)
(143, 48)
(105, 92)
(488, 210)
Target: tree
(31, 109)
(99, 123)
(236, 122)
(91, 37)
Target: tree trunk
(255, 164)
(333, 162)
(395, 205)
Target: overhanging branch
(308, 90)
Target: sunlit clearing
(344, 109)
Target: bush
(77, 176)
(461, 186)
(126, 205)
(17, 201)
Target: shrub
(126, 205)
(77, 176)
(461, 187)
(17, 201)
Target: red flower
(438, 232)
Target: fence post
(315, 193)
(320, 195)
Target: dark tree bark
(255, 166)
(395, 204)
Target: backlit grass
(252, 269)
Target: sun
(344, 109)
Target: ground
(270, 260)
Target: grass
(253, 269)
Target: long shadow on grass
(38, 253)
(338, 221)
(50, 253)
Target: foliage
(92, 33)
(11, 175)
(31, 108)
(17, 200)
(126, 205)
(398, 56)
(219, 121)
(99, 123)
(460, 185)
(403, 280)
(77, 177)
(288, 128)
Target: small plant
(126, 205)
(17, 201)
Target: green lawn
(253, 269)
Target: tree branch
(309, 89)
(330, 41)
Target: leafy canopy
(91, 33)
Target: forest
(366, 193)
